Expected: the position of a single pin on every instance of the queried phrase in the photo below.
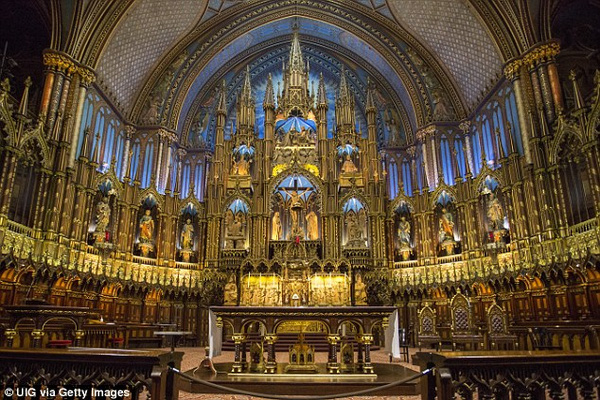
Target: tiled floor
(194, 355)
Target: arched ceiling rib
(144, 35)
(148, 30)
(310, 31)
(454, 33)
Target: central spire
(296, 63)
(296, 99)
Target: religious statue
(352, 224)
(296, 231)
(441, 110)
(240, 167)
(495, 212)
(103, 216)
(404, 232)
(446, 230)
(146, 228)
(312, 223)
(236, 228)
(360, 292)
(348, 166)
(231, 291)
(295, 200)
(187, 235)
(276, 230)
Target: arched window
(513, 118)
(119, 150)
(393, 179)
(446, 161)
(148, 159)
(460, 157)
(406, 178)
(487, 140)
(135, 159)
(185, 180)
(499, 123)
(98, 132)
(198, 179)
(419, 167)
(476, 147)
(108, 145)
(86, 120)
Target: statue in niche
(404, 232)
(441, 110)
(355, 226)
(146, 228)
(187, 235)
(231, 291)
(151, 115)
(362, 223)
(229, 220)
(312, 223)
(495, 212)
(240, 167)
(237, 226)
(348, 167)
(103, 209)
(446, 230)
(295, 200)
(276, 229)
(296, 231)
(360, 292)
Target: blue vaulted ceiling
(327, 48)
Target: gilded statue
(348, 167)
(241, 167)
(360, 292)
(146, 228)
(312, 223)
(187, 235)
(231, 291)
(295, 200)
(446, 230)
(229, 220)
(495, 212)
(404, 232)
(276, 229)
(237, 227)
(103, 209)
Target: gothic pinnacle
(321, 92)
(222, 104)
(269, 100)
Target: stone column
(512, 71)
(238, 339)
(367, 340)
(333, 367)
(271, 338)
(37, 335)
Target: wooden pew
(510, 374)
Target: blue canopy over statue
(295, 124)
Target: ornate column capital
(62, 62)
(512, 68)
(465, 126)
(425, 132)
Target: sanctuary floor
(193, 355)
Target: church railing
(584, 226)
(186, 265)
(450, 259)
(514, 374)
(145, 260)
(19, 228)
(406, 264)
(143, 374)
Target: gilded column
(512, 71)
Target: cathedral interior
(159, 158)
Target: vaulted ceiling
(416, 51)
